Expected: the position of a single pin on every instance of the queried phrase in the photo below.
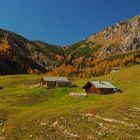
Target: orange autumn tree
(88, 67)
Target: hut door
(56, 84)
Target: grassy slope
(27, 112)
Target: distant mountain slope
(113, 40)
(119, 41)
(20, 55)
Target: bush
(85, 51)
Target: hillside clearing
(28, 112)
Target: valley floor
(28, 112)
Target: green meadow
(28, 112)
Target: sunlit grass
(23, 106)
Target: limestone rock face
(122, 38)
(118, 39)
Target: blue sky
(63, 22)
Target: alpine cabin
(99, 87)
(51, 82)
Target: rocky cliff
(113, 40)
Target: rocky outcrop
(119, 39)
(115, 40)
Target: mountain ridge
(121, 40)
(116, 33)
(17, 51)
(20, 55)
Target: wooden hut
(51, 82)
(115, 69)
(99, 87)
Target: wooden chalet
(51, 82)
(99, 87)
(115, 69)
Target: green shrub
(96, 48)
(85, 51)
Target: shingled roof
(102, 84)
(60, 79)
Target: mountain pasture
(30, 112)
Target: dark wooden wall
(90, 89)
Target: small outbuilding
(99, 87)
(115, 69)
(51, 82)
